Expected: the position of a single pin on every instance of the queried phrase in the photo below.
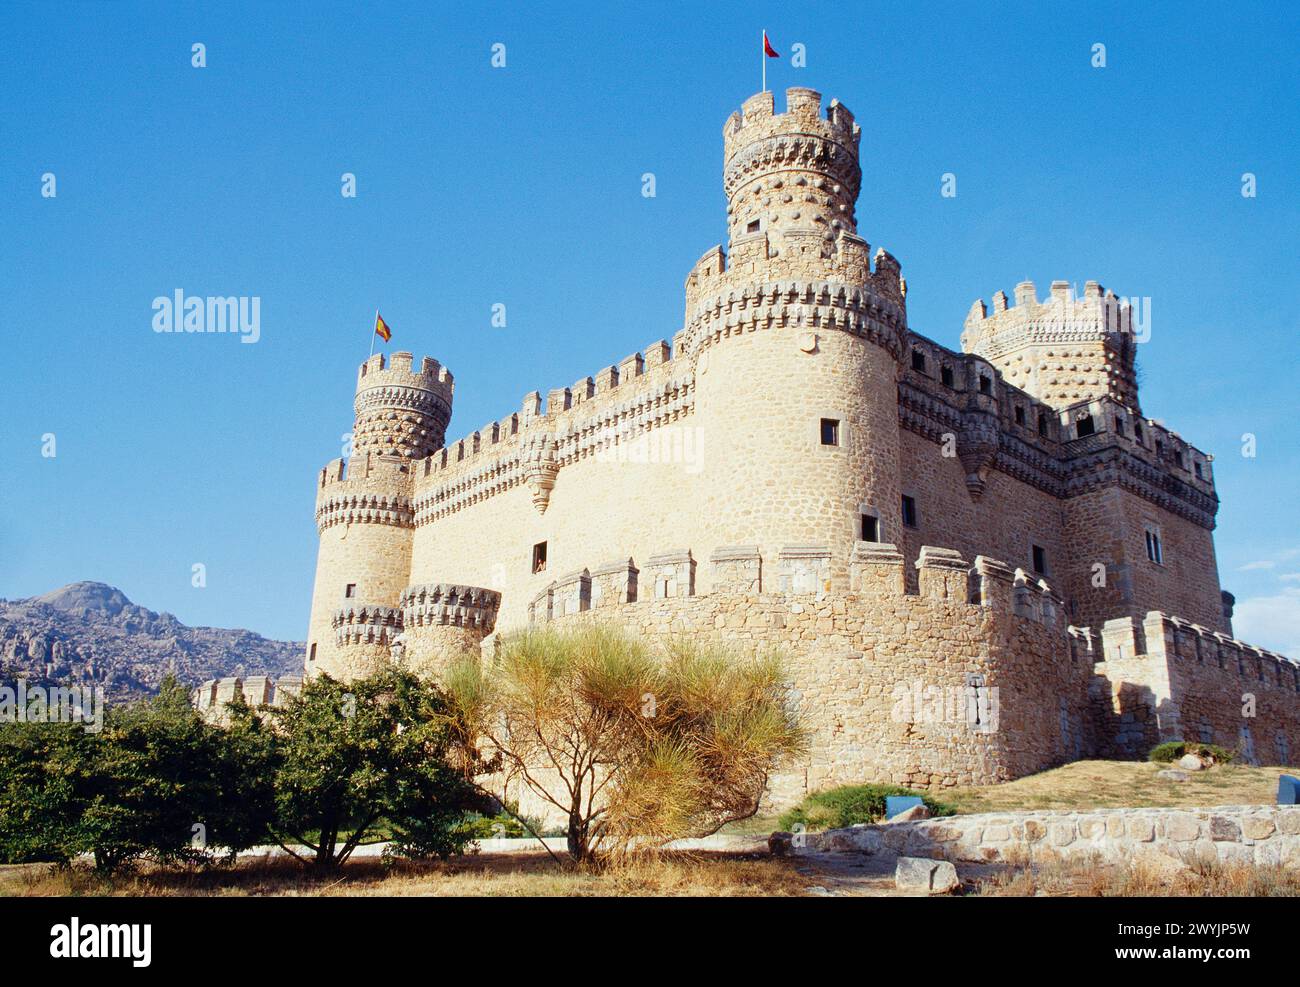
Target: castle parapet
(366, 624)
(876, 569)
(804, 569)
(614, 583)
(672, 574)
(213, 696)
(943, 574)
(452, 604)
(736, 569)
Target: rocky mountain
(90, 633)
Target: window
(752, 227)
(909, 511)
(1137, 430)
(350, 591)
(945, 375)
(1020, 415)
(918, 360)
(830, 431)
(1154, 552)
(1200, 474)
(539, 557)
(312, 655)
(870, 527)
(1042, 423)
(1085, 426)
(1119, 424)
(986, 385)
(1040, 559)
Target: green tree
(352, 758)
(632, 749)
(156, 782)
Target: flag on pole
(768, 50)
(381, 328)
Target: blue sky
(522, 185)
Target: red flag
(768, 50)
(381, 328)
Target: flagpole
(374, 327)
(762, 54)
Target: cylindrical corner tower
(365, 517)
(796, 342)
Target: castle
(800, 469)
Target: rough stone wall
(1164, 678)
(1264, 836)
(883, 681)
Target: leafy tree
(352, 758)
(633, 749)
(157, 781)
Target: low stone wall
(1231, 834)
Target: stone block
(924, 874)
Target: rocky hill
(91, 633)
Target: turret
(401, 411)
(365, 516)
(792, 179)
(796, 342)
(1063, 350)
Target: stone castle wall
(692, 485)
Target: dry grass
(1120, 784)
(525, 874)
(1141, 878)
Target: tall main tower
(796, 340)
(364, 513)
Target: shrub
(634, 749)
(849, 805)
(1172, 750)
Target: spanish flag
(381, 328)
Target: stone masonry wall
(1232, 834)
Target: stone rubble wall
(1231, 834)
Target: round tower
(796, 340)
(364, 514)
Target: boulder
(1191, 762)
(780, 844)
(923, 874)
(1173, 774)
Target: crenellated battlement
(1063, 349)
(399, 410)
(213, 696)
(647, 390)
(449, 604)
(371, 490)
(366, 623)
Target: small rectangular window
(1154, 551)
(1200, 473)
(1119, 424)
(830, 431)
(918, 360)
(350, 591)
(1040, 559)
(1020, 415)
(752, 227)
(945, 375)
(539, 557)
(1042, 423)
(909, 511)
(1085, 426)
(1137, 430)
(986, 385)
(870, 527)
(312, 656)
